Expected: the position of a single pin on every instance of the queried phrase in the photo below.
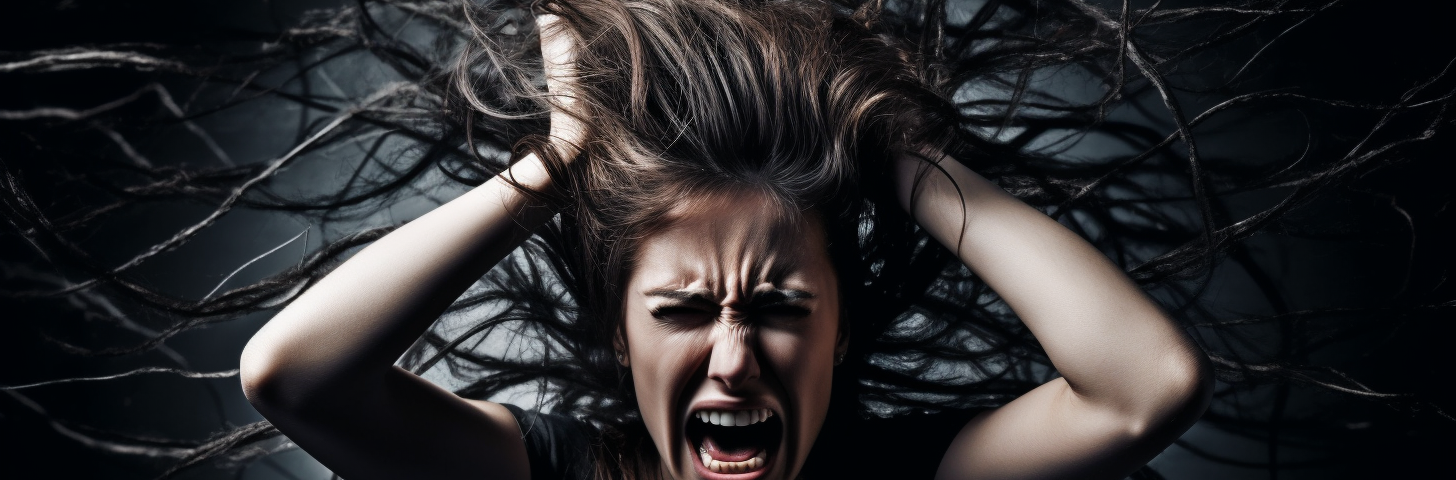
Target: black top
(910, 446)
(557, 446)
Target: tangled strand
(945, 340)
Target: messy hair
(804, 101)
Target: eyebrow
(705, 298)
(701, 298)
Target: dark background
(1383, 244)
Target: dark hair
(692, 98)
(686, 98)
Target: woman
(720, 177)
(747, 197)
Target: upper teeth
(734, 418)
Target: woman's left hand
(1132, 381)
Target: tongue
(728, 449)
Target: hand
(558, 56)
(1131, 379)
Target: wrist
(528, 173)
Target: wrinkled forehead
(731, 241)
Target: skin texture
(735, 345)
(1131, 380)
(322, 370)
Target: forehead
(732, 241)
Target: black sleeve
(558, 446)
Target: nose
(733, 361)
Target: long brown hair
(800, 101)
(1050, 102)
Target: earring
(838, 359)
(621, 357)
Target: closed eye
(681, 315)
(782, 310)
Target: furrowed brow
(693, 297)
(768, 297)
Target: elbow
(1191, 390)
(273, 380)
(1178, 397)
(259, 372)
(282, 376)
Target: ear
(619, 346)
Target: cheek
(803, 359)
(663, 364)
(664, 361)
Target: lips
(734, 443)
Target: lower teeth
(731, 467)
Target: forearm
(322, 370)
(346, 332)
(1114, 347)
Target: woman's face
(731, 331)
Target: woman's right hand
(558, 59)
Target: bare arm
(323, 369)
(1131, 382)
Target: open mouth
(730, 442)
